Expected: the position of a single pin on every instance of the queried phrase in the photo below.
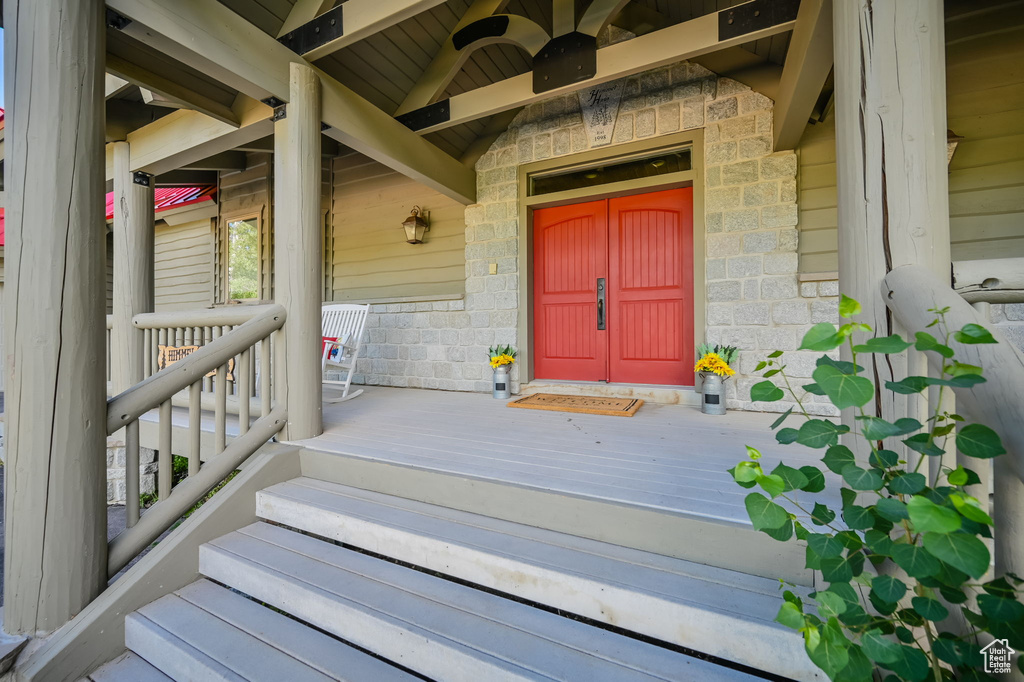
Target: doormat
(617, 407)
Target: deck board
(667, 457)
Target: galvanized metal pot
(713, 401)
(502, 382)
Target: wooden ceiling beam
(225, 161)
(112, 85)
(686, 40)
(448, 60)
(808, 63)
(599, 14)
(303, 12)
(185, 178)
(208, 36)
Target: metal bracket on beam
(565, 60)
(280, 112)
(324, 126)
(141, 178)
(117, 21)
(273, 102)
(488, 27)
(313, 34)
(755, 16)
(424, 117)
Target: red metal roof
(165, 198)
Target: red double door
(613, 290)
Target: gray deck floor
(667, 457)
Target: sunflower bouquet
(716, 359)
(502, 355)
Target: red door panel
(570, 246)
(650, 288)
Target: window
(647, 165)
(243, 259)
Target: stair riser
(702, 540)
(392, 639)
(718, 634)
(170, 655)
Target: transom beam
(808, 63)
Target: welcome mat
(618, 407)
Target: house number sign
(600, 106)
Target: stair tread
(431, 625)
(128, 667)
(678, 601)
(252, 641)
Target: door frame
(527, 204)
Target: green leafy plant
(903, 557)
(727, 353)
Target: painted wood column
(55, 337)
(298, 254)
(133, 266)
(890, 108)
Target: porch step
(206, 632)
(715, 611)
(127, 666)
(440, 629)
(664, 395)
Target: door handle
(600, 303)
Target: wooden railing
(239, 347)
(910, 291)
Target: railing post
(298, 256)
(56, 530)
(890, 107)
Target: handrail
(910, 291)
(204, 317)
(149, 394)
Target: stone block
(578, 138)
(483, 337)
(713, 222)
(760, 242)
(776, 338)
(780, 215)
(778, 166)
(764, 123)
(718, 153)
(825, 311)
(752, 101)
(723, 198)
(506, 300)
(791, 312)
(780, 263)
(668, 118)
(524, 149)
(761, 193)
(713, 176)
(485, 231)
(456, 305)
(495, 211)
(779, 288)
(787, 190)
(722, 109)
(831, 288)
(623, 128)
(751, 289)
(755, 147)
(738, 336)
(728, 290)
(479, 319)
(693, 113)
(715, 268)
(561, 143)
(687, 89)
(801, 363)
(745, 266)
(741, 173)
(646, 123)
(718, 314)
(741, 221)
(809, 289)
(542, 146)
(747, 314)
(723, 245)
(735, 128)
(788, 240)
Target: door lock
(600, 303)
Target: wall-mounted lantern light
(415, 226)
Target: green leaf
(978, 440)
(753, 453)
(844, 390)
(815, 479)
(907, 483)
(888, 588)
(911, 665)
(964, 552)
(837, 458)
(908, 386)
(818, 433)
(790, 615)
(793, 479)
(830, 654)
(862, 479)
(974, 333)
(962, 381)
(764, 514)
(814, 389)
(822, 515)
(782, 418)
(773, 485)
(842, 365)
(786, 436)
(830, 604)
(885, 345)
(822, 336)
(930, 609)
(926, 342)
(766, 392)
(848, 307)
(1000, 609)
(955, 651)
(879, 542)
(885, 459)
(746, 472)
(775, 354)
(915, 560)
(891, 509)
(858, 668)
(842, 569)
(875, 428)
(928, 517)
(825, 546)
(879, 648)
(961, 476)
(858, 518)
(970, 507)
(923, 443)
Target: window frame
(253, 216)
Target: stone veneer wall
(754, 299)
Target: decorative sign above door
(600, 107)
